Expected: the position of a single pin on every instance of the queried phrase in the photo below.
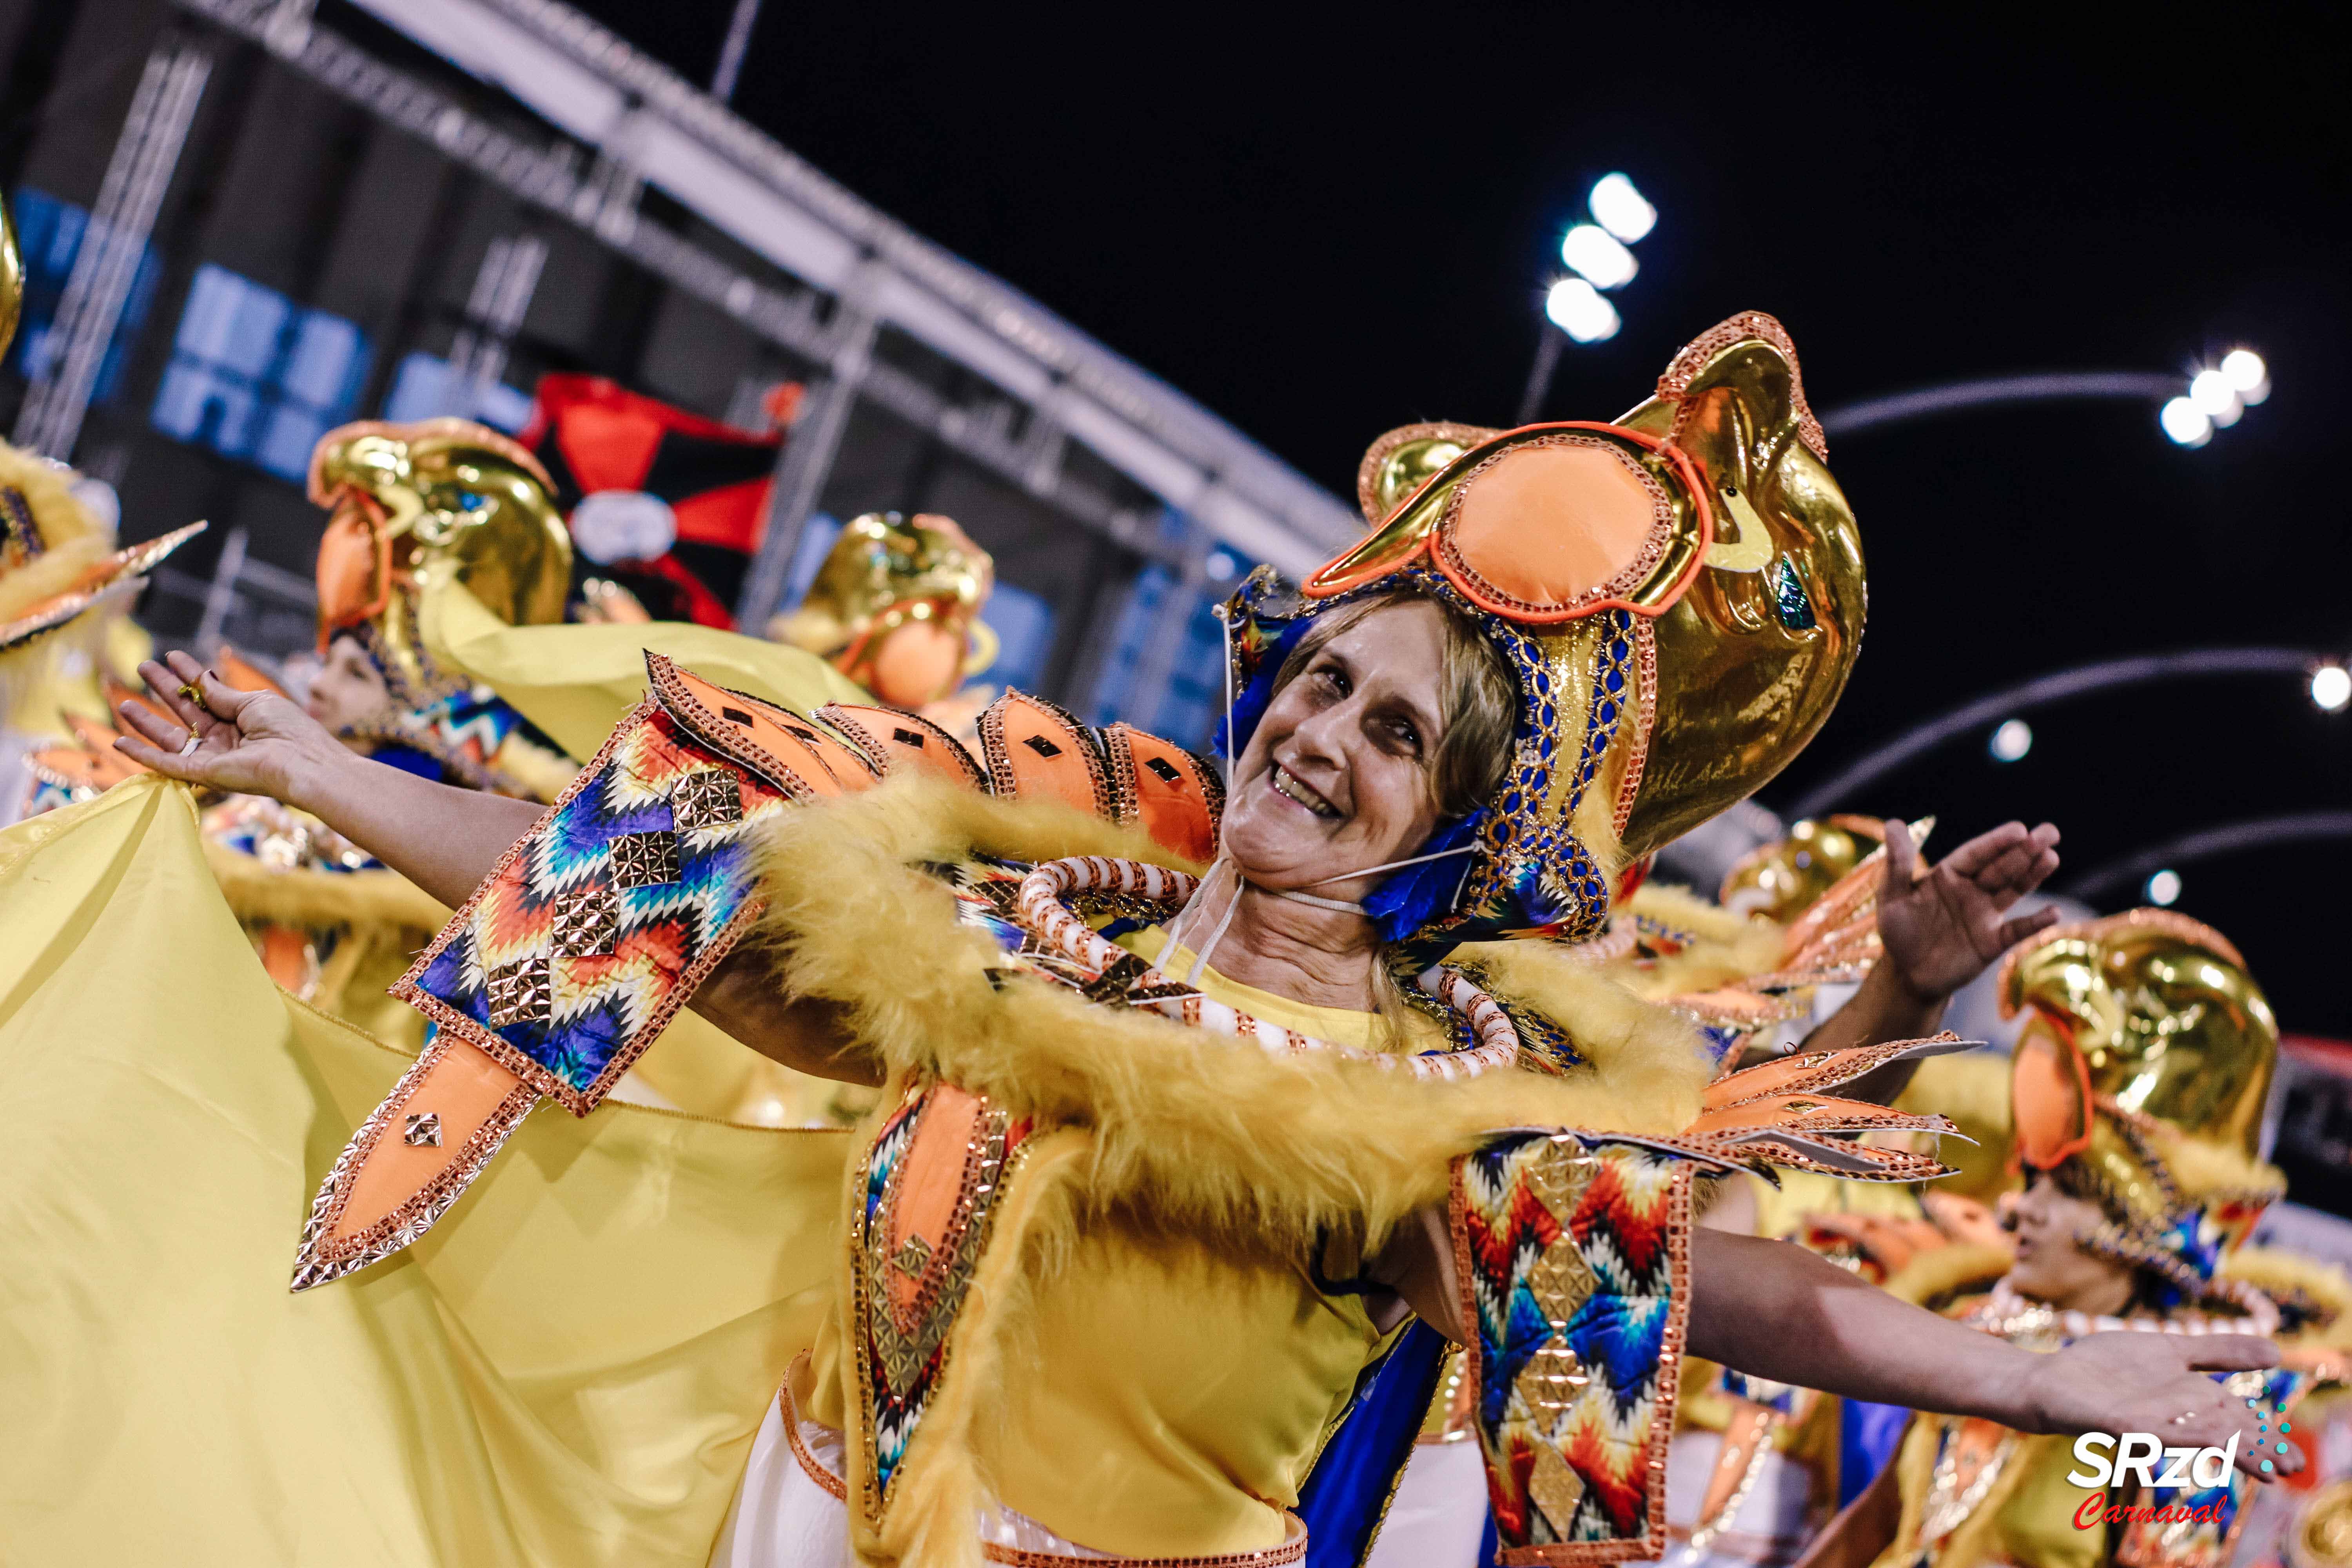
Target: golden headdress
(1680, 594)
(883, 572)
(2139, 1081)
(417, 504)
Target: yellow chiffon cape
(569, 1371)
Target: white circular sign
(622, 525)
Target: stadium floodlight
(2331, 688)
(1578, 309)
(2248, 376)
(2164, 888)
(1596, 251)
(2215, 398)
(1621, 209)
(2011, 741)
(2186, 423)
(1598, 258)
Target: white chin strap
(1296, 896)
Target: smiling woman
(1389, 724)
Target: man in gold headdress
(417, 511)
(2137, 1088)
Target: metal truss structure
(624, 123)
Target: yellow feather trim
(2201, 1168)
(1233, 1144)
(73, 541)
(2281, 1273)
(1972, 1089)
(1729, 947)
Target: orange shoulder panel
(1172, 794)
(1035, 750)
(899, 739)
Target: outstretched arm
(445, 840)
(1775, 1311)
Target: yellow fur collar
(1189, 1128)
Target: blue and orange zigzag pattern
(605, 1003)
(1626, 1333)
(894, 1419)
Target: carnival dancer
(2138, 1086)
(1126, 1231)
(1754, 1468)
(1757, 1467)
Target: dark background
(1323, 231)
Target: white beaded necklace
(1040, 910)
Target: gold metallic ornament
(1406, 458)
(2321, 1536)
(12, 279)
(2165, 1017)
(886, 571)
(2140, 1079)
(1753, 657)
(1784, 879)
(438, 499)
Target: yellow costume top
(1175, 1396)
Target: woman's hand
(2127, 1382)
(1942, 924)
(247, 742)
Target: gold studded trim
(810, 1465)
(1747, 326)
(1377, 456)
(322, 1257)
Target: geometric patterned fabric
(1574, 1257)
(909, 1286)
(598, 926)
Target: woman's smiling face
(1338, 776)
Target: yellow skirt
(570, 1370)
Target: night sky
(1321, 235)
